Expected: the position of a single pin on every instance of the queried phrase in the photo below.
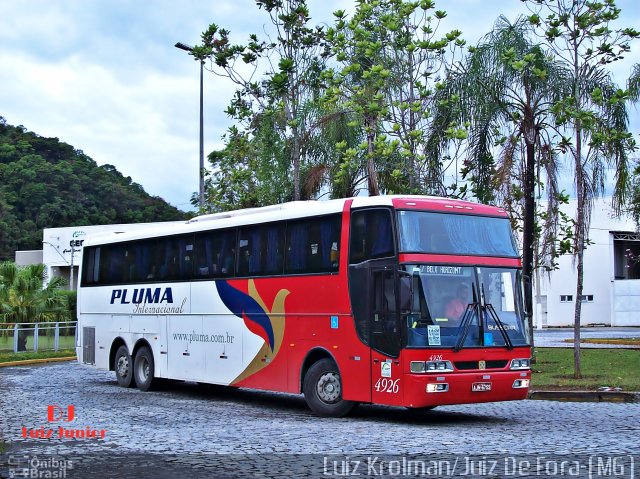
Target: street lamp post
(187, 48)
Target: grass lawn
(44, 342)
(553, 369)
(6, 357)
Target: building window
(626, 255)
(586, 298)
(566, 298)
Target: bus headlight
(439, 366)
(524, 363)
(417, 367)
(431, 367)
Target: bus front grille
(470, 365)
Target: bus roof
(297, 209)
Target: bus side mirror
(406, 293)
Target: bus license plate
(478, 387)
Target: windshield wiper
(503, 331)
(465, 325)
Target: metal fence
(24, 337)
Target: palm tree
(633, 84)
(24, 300)
(507, 89)
(332, 131)
(579, 33)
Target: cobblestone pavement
(555, 337)
(187, 430)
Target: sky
(105, 77)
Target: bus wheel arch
(143, 365)
(115, 345)
(322, 388)
(312, 357)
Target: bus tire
(322, 389)
(123, 366)
(143, 369)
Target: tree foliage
(579, 33)
(23, 299)
(633, 202)
(508, 87)
(391, 64)
(270, 112)
(45, 183)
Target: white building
(611, 292)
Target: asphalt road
(186, 430)
(556, 337)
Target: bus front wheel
(143, 369)
(123, 366)
(322, 389)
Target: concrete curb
(587, 396)
(29, 362)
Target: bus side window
(144, 262)
(371, 235)
(225, 253)
(169, 264)
(177, 258)
(116, 264)
(261, 250)
(297, 245)
(91, 266)
(313, 245)
(275, 249)
(214, 254)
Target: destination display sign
(444, 270)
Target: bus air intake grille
(467, 365)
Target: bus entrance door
(385, 334)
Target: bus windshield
(444, 233)
(465, 306)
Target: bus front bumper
(424, 390)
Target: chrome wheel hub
(328, 388)
(123, 366)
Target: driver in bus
(457, 306)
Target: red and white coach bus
(402, 300)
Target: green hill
(45, 183)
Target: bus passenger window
(261, 250)
(215, 254)
(313, 245)
(371, 235)
(176, 263)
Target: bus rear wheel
(123, 366)
(322, 389)
(143, 369)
